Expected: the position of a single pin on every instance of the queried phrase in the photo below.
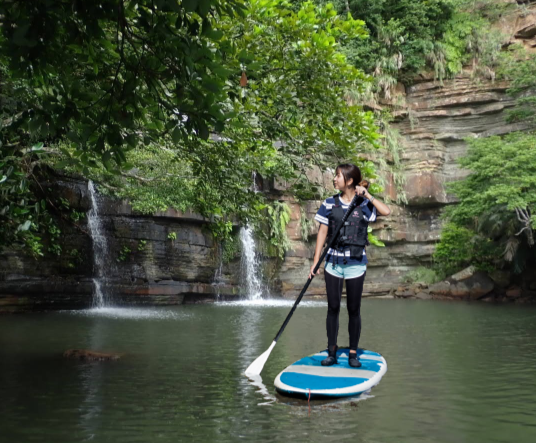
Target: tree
(106, 75)
(496, 203)
(402, 34)
(213, 89)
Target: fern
(273, 230)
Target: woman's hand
(362, 192)
(381, 208)
(311, 275)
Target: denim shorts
(346, 272)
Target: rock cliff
(167, 258)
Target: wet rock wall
(167, 258)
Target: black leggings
(354, 290)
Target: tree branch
(523, 216)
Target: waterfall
(100, 248)
(250, 271)
(250, 266)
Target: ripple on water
(131, 313)
(271, 303)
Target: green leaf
(176, 135)
(190, 5)
(203, 130)
(73, 136)
(204, 7)
(62, 164)
(375, 241)
(34, 125)
(106, 160)
(212, 85)
(132, 140)
(215, 35)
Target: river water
(457, 372)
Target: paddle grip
(351, 207)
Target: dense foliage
(411, 36)
(175, 103)
(85, 72)
(493, 225)
(401, 33)
(519, 68)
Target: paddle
(256, 367)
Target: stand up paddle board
(308, 376)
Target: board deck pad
(308, 376)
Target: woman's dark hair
(350, 171)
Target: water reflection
(91, 382)
(130, 313)
(272, 303)
(256, 381)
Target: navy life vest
(353, 235)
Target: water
(457, 373)
(100, 248)
(250, 267)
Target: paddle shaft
(352, 206)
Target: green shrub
(273, 230)
(231, 248)
(423, 275)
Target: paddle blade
(255, 368)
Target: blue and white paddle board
(308, 376)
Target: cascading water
(250, 269)
(249, 265)
(100, 248)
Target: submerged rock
(87, 355)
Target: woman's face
(338, 181)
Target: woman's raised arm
(381, 208)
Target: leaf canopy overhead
(222, 88)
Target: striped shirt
(322, 216)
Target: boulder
(87, 355)
(501, 278)
(464, 274)
(513, 292)
(466, 284)
(404, 293)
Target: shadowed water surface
(457, 373)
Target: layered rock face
(441, 116)
(167, 258)
(438, 119)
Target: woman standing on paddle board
(347, 260)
